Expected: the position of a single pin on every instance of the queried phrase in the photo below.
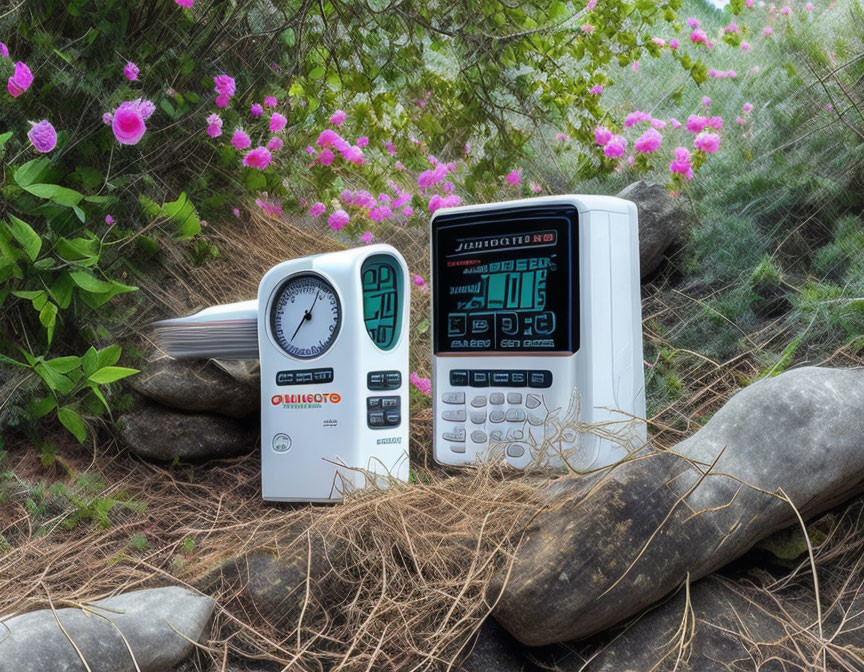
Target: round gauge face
(305, 316)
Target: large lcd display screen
(506, 281)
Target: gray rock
(661, 221)
(616, 542)
(211, 386)
(149, 620)
(495, 650)
(162, 433)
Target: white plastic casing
(315, 452)
(604, 376)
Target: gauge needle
(307, 315)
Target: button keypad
(304, 377)
(384, 380)
(476, 417)
(383, 412)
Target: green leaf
(109, 374)
(76, 249)
(55, 193)
(90, 361)
(14, 362)
(317, 73)
(89, 283)
(55, 381)
(61, 290)
(48, 318)
(28, 239)
(63, 364)
(31, 171)
(109, 356)
(41, 407)
(4, 137)
(73, 422)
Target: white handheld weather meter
(333, 346)
(537, 335)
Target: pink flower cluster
(329, 138)
(421, 383)
(722, 74)
(128, 120)
(20, 80)
(225, 87)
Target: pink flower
(185, 3)
(326, 157)
(327, 138)
(272, 209)
(692, 22)
(635, 118)
(616, 147)
(107, 118)
(309, 149)
(109, 220)
(696, 124)
(42, 136)
(270, 101)
(561, 137)
(467, 147)
(596, 90)
(681, 164)
(659, 41)
(591, 5)
(587, 28)
(257, 158)
(4, 51)
(353, 154)
(317, 209)
(408, 211)
(225, 85)
(707, 142)
(635, 66)
(362, 141)
(20, 81)
(602, 135)
(658, 124)
(338, 220)
(749, 3)
(419, 281)
(431, 177)
(274, 144)
(513, 178)
(434, 203)
(699, 36)
(706, 101)
(131, 71)
(674, 43)
(277, 122)
(716, 123)
(214, 125)
(768, 31)
(648, 142)
(422, 384)
(535, 188)
(256, 110)
(128, 124)
(367, 237)
(786, 11)
(240, 139)
(809, 7)
(747, 107)
(674, 123)
(236, 212)
(222, 100)
(338, 118)
(740, 121)
(745, 46)
(380, 213)
(390, 147)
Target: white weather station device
(537, 339)
(331, 334)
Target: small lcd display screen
(382, 280)
(506, 281)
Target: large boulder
(162, 433)
(158, 627)
(616, 542)
(201, 386)
(661, 222)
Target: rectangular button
(389, 402)
(479, 378)
(375, 380)
(454, 416)
(323, 375)
(376, 419)
(456, 437)
(457, 448)
(518, 379)
(303, 377)
(393, 380)
(285, 378)
(393, 418)
(458, 378)
(453, 398)
(373, 402)
(501, 378)
(540, 378)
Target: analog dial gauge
(305, 316)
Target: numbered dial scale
(333, 342)
(306, 316)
